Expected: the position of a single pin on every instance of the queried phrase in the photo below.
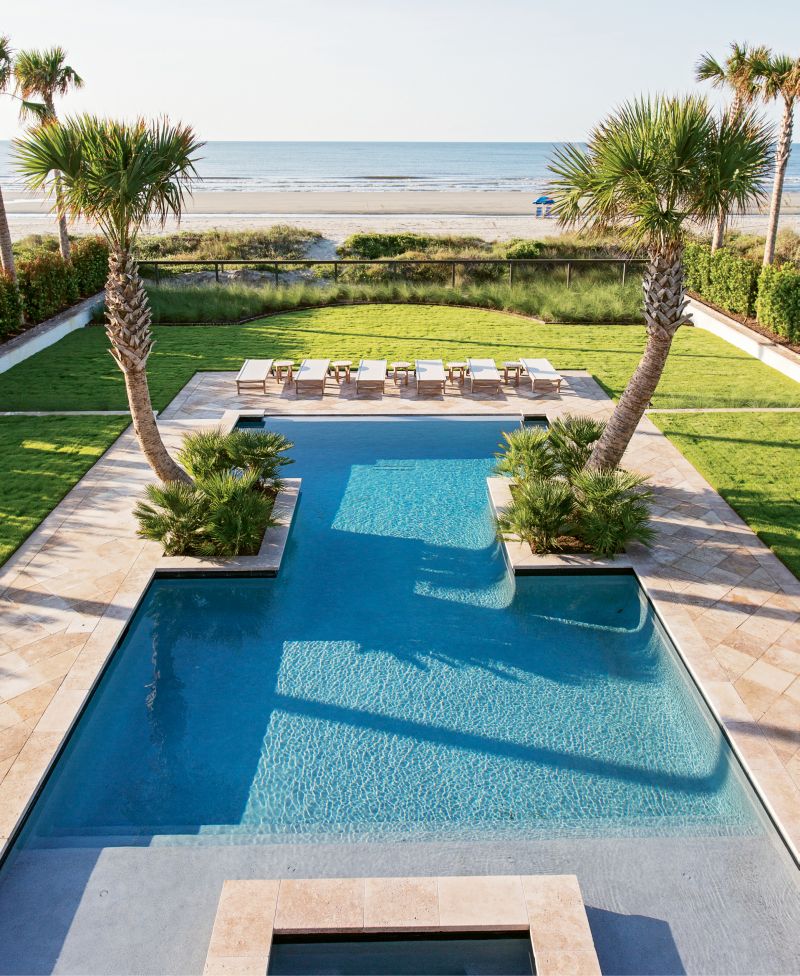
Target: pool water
(394, 682)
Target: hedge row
(743, 287)
(722, 278)
(46, 285)
(778, 305)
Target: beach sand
(489, 215)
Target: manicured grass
(43, 457)
(753, 460)
(703, 371)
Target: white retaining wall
(47, 333)
(784, 360)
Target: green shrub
(557, 503)
(697, 268)
(90, 265)
(227, 509)
(10, 306)
(519, 249)
(47, 286)
(371, 246)
(722, 278)
(540, 512)
(526, 454)
(611, 509)
(280, 241)
(778, 306)
(208, 453)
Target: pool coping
(549, 907)
(62, 538)
(521, 561)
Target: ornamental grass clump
(228, 507)
(559, 504)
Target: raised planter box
(269, 558)
(522, 562)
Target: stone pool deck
(67, 593)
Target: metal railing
(394, 264)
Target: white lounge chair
(312, 375)
(483, 375)
(542, 375)
(430, 376)
(371, 375)
(254, 373)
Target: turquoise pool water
(393, 682)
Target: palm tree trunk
(63, 236)
(718, 234)
(128, 328)
(664, 305)
(6, 251)
(781, 161)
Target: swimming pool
(394, 682)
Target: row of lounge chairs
(482, 375)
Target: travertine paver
(728, 602)
(549, 907)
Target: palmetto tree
(740, 73)
(6, 251)
(117, 175)
(649, 169)
(44, 74)
(781, 79)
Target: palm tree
(118, 175)
(6, 251)
(649, 169)
(740, 72)
(781, 79)
(44, 74)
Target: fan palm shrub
(741, 73)
(525, 453)
(781, 80)
(119, 175)
(611, 509)
(540, 512)
(649, 169)
(571, 440)
(207, 453)
(225, 511)
(45, 74)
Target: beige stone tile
(49, 647)
(236, 966)
(735, 662)
(8, 717)
(31, 704)
(481, 903)
(60, 713)
(556, 913)
(567, 962)
(13, 739)
(244, 920)
(399, 903)
(320, 905)
(772, 678)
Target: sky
(482, 70)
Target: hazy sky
(383, 69)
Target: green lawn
(753, 460)
(43, 457)
(79, 374)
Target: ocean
(372, 166)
